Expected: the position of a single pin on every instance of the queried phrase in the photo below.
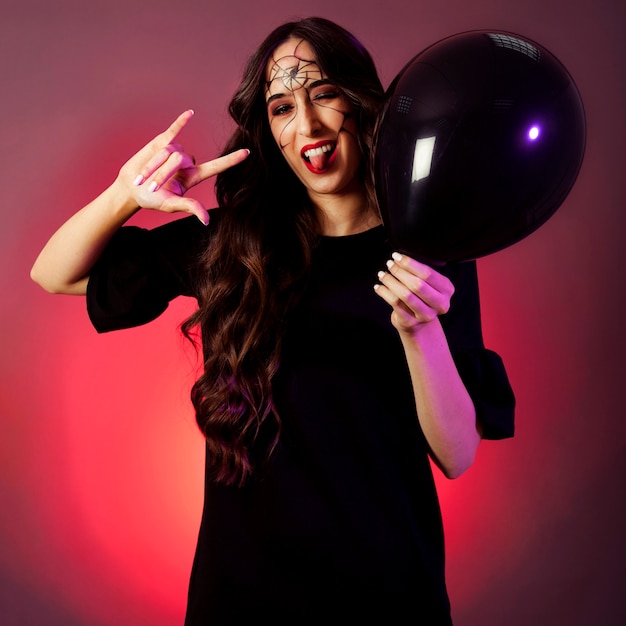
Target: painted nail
(396, 256)
(381, 275)
(153, 186)
(138, 180)
(390, 264)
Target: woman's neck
(345, 214)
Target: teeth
(317, 151)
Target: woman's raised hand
(417, 292)
(159, 175)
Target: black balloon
(480, 140)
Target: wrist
(424, 334)
(121, 200)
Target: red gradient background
(100, 460)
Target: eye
(329, 94)
(281, 109)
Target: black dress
(344, 525)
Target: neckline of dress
(363, 234)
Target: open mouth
(319, 157)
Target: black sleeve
(141, 271)
(481, 369)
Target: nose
(309, 123)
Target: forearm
(445, 410)
(64, 264)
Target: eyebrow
(316, 83)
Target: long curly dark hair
(256, 265)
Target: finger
(414, 290)
(419, 300)
(181, 204)
(431, 286)
(221, 164)
(134, 168)
(425, 272)
(168, 135)
(163, 165)
(154, 147)
(402, 315)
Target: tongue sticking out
(319, 161)
(320, 157)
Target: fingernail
(396, 256)
(202, 221)
(389, 264)
(138, 180)
(381, 275)
(153, 186)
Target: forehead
(291, 66)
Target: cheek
(332, 118)
(281, 131)
(351, 135)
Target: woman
(325, 392)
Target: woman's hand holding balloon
(419, 295)
(417, 292)
(159, 175)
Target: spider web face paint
(310, 117)
(292, 72)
